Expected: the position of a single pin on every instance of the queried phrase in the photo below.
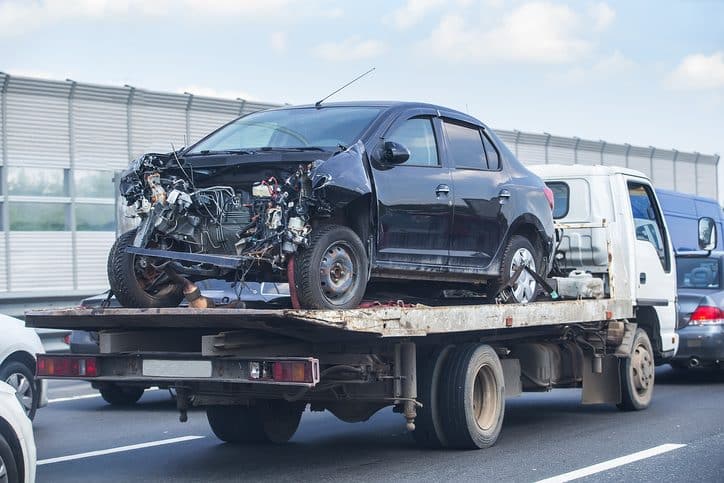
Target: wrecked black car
(329, 198)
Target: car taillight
(549, 196)
(65, 366)
(707, 315)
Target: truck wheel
(332, 272)
(428, 426)
(120, 395)
(267, 422)
(20, 377)
(518, 251)
(637, 375)
(134, 281)
(472, 397)
(8, 465)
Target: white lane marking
(610, 464)
(119, 449)
(88, 396)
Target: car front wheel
(20, 377)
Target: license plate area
(176, 368)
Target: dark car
(701, 310)
(330, 197)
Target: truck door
(414, 198)
(655, 272)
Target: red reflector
(64, 366)
(706, 314)
(549, 196)
(292, 371)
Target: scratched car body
(330, 198)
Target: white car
(17, 445)
(18, 346)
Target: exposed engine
(257, 221)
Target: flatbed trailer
(448, 368)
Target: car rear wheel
(120, 395)
(8, 466)
(332, 272)
(135, 282)
(21, 378)
(519, 252)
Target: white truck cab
(612, 226)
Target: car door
(414, 198)
(655, 272)
(479, 215)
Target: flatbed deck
(383, 321)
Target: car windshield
(698, 272)
(325, 127)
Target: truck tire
(428, 425)
(127, 278)
(266, 422)
(116, 395)
(21, 378)
(8, 465)
(472, 397)
(518, 250)
(637, 374)
(332, 272)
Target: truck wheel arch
(648, 319)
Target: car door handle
(442, 189)
(642, 278)
(504, 194)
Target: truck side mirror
(391, 153)
(707, 233)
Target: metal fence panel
(92, 252)
(41, 261)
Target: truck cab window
(648, 221)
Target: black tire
(125, 284)
(472, 397)
(8, 465)
(508, 261)
(428, 425)
(332, 272)
(120, 395)
(21, 377)
(637, 374)
(266, 422)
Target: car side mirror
(392, 153)
(707, 234)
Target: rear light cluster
(65, 366)
(284, 371)
(707, 315)
(549, 197)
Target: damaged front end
(236, 221)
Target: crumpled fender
(341, 178)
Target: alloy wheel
(24, 390)
(523, 288)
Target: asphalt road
(544, 435)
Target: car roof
(388, 105)
(574, 170)
(699, 254)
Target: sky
(640, 72)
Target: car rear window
(561, 193)
(697, 272)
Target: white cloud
(613, 65)
(534, 32)
(352, 48)
(279, 41)
(412, 12)
(699, 71)
(18, 17)
(602, 15)
(212, 92)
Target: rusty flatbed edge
(378, 321)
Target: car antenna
(319, 102)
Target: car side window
(418, 136)
(466, 146)
(492, 153)
(648, 221)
